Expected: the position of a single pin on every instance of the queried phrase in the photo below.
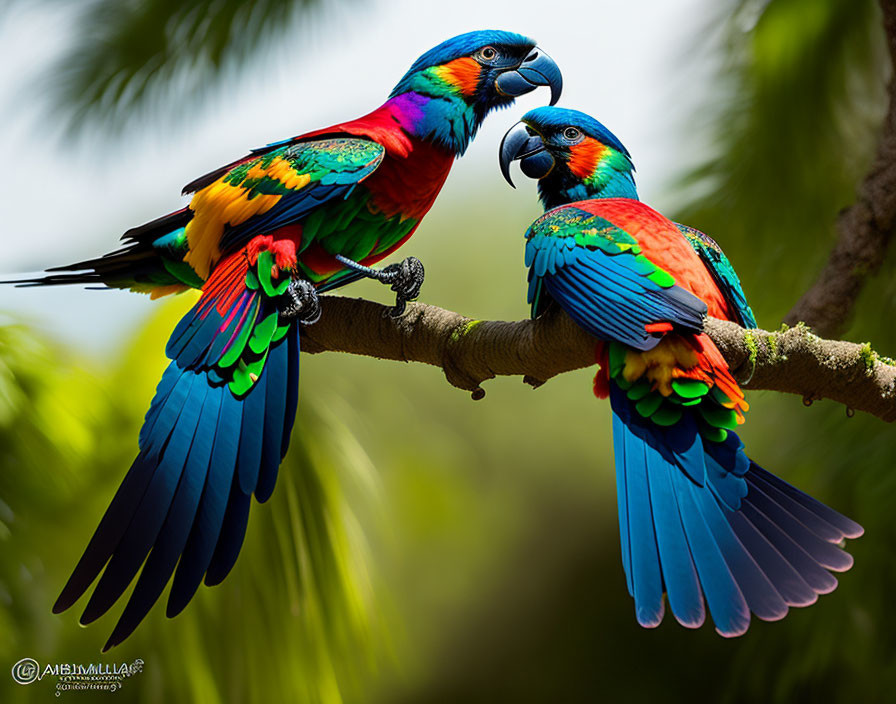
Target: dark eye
(572, 134)
(487, 53)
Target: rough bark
(864, 230)
(472, 351)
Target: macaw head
(572, 155)
(452, 87)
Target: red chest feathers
(664, 245)
(408, 185)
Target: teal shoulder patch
(725, 277)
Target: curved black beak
(537, 69)
(529, 150)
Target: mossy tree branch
(792, 360)
(470, 351)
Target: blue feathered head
(573, 156)
(554, 120)
(450, 89)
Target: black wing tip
(174, 608)
(68, 597)
(213, 579)
(123, 630)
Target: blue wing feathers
(787, 580)
(170, 377)
(612, 301)
(292, 388)
(824, 553)
(715, 524)
(590, 316)
(275, 411)
(164, 421)
(171, 540)
(210, 516)
(251, 434)
(231, 537)
(622, 500)
(679, 572)
(183, 506)
(816, 576)
(815, 523)
(758, 591)
(646, 578)
(107, 534)
(723, 596)
(845, 526)
(147, 520)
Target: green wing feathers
(722, 272)
(234, 324)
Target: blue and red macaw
(698, 519)
(261, 237)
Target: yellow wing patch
(167, 290)
(661, 364)
(221, 203)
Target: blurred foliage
(801, 94)
(128, 52)
(294, 622)
(482, 563)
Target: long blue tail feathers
(704, 525)
(183, 506)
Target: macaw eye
(486, 54)
(572, 134)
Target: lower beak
(518, 145)
(537, 69)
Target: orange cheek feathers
(585, 156)
(463, 73)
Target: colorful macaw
(697, 518)
(261, 237)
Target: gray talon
(300, 303)
(406, 278)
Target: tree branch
(470, 351)
(864, 230)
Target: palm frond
(793, 124)
(127, 54)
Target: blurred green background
(422, 547)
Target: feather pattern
(221, 418)
(723, 272)
(598, 273)
(213, 429)
(699, 522)
(756, 558)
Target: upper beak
(519, 145)
(537, 69)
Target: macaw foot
(300, 303)
(405, 278)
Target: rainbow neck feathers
(593, 170)
(439, 104)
